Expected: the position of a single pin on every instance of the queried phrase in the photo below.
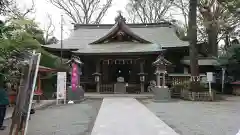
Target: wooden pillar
(141, 67)
(98, 71)
(105, 72)
(39, 88)
(39, 82)
(142, 71)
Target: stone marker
(76, 95)
(161, 94)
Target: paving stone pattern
(75, 119)
(200, 118)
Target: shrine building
(125, 50)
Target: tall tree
(4, 6)
(219, 23)
(192, 34)
(83, 11)
(214, 23)
(232, 5)
(148, 11)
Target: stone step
(127, 116)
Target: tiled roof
(119, 48)
(160, 35)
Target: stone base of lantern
(161, 94)
(119, 88)
(75, 95)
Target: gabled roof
(161, 61)
(88, 38)
(120, 26)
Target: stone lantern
(161, 92)
(97, 80)
(142, 80)
(161, 69)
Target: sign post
(32, 82)
(223, 79)
(210, 80)
(61, 86)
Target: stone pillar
(158, 80)
(164, 81)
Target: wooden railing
(88, 79)
(174, 79)
(109, 88)
(106, 88)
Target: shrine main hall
(126, 51)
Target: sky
(43, 8)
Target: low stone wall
(198, 96)
(236, 91)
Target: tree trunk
(192, 34)
(212, 40)
(227, 41)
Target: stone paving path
(70, 119)
(199, 118)
(42, 103)
(127, 116)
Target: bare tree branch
(148, 11)
(182, 5)
(16, 11)
(83, 11)
(49, 28)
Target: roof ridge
(132, 25)
(120, 26)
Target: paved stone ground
(75, 119)
(199, 118)
(42, 104)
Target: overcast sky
(43, 7)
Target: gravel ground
(75, 119)
(199, 118)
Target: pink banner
(74, 79)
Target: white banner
(61, 85)
(209, 76)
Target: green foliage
(17, 36)
(49, 60)
(231, 60)
(187, 86)
(232, 5)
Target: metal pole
(61, 37)
(223, 77)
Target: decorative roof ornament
(120, 18)
(76, 60)
(161, 61)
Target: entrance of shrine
(127, 69)
(120, 70)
